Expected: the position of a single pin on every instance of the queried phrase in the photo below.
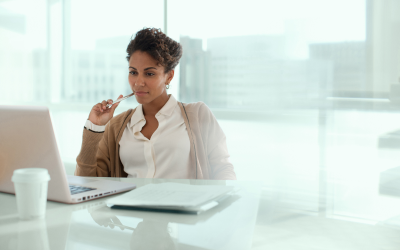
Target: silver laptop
(27, 141)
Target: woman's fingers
(114, 106)
(109, 101)
(103, 105)
(97, 107)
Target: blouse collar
(166, 110)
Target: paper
(170, 194)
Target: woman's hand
(100, 114)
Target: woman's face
(147, 79)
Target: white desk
(251, 220)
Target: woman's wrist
(89, 125)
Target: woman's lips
(140, 93)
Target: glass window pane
(69, 55)
(307, 92)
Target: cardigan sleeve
(94, 158)
(217, 150)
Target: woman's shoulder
(199, 110)
(196, 107)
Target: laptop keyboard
(78, 189)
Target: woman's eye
(132, 72)
(150, 74)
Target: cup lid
(30, 175)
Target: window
(307, 92)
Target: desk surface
(258, 217)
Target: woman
(160, 138)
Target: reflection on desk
(273, 218)
(94, 225)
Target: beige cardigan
(99, 154)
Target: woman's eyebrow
(144, 69)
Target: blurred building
(98, 74)
(42, 90)
(194, 72)
(382, 46)
(249, 72)
(348, 64)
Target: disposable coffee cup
(31, 192)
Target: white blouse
(165, 155)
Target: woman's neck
(153, 107)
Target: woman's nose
(139, 81)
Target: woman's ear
(170, 75)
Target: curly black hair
(163, 49)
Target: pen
(119, 100)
